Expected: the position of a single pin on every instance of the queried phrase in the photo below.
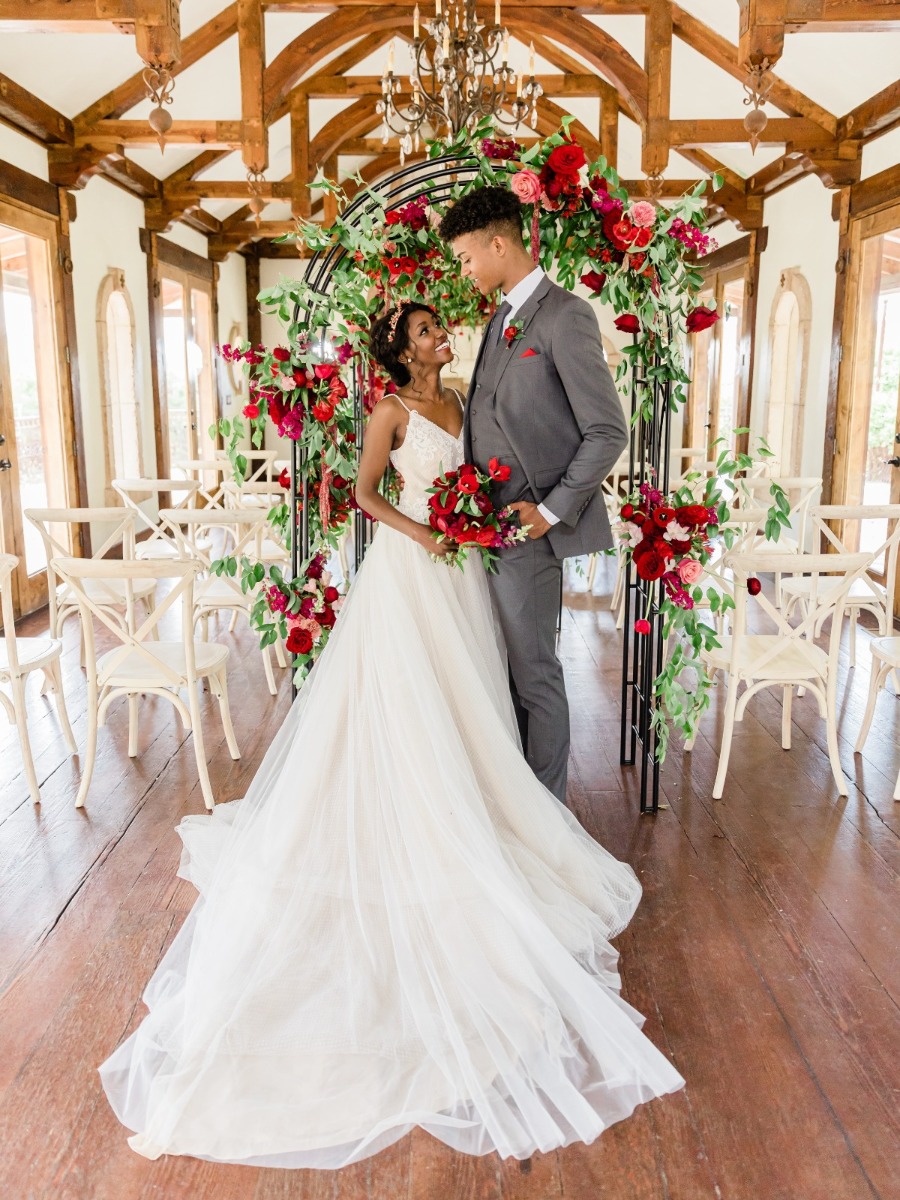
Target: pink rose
(689, 570)
(526, 186)
(642, 213)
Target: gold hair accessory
(398, 311)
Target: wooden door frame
(162, 253)
(47, 220)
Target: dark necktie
(500, 316)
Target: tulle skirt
(398, 926)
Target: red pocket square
(529, 353)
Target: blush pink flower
(526, 186)
(642, 213)
(689, 570)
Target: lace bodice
(427, 451)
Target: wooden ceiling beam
(874, 116)
(658, 66)
(300, 161)
(791, 130)
(31, 116)
(187, 194)
(182, 133)
(328, 85)
(724, 54)
(194, 47)
(252, 54)
(196, 167)
(761, 31)
(606, 8)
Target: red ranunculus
(627, 323)
(392, 217)
(326, 617)
(692, 514)
(442, 508)
(331, 594)
(323, 412)
(642, 625)
(642, 238)
(299, 641)
(250, 411)
(594, 280)
(652, 563)
(754, 587)
(281, 354)
(701, 318)
(567, 158)
(484, 537)
(499, 471)
(627, 511)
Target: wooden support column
(841, 210)
(157, 351)
(761, 31)
(254, 315)
(658, 65)
(609, 130)
(301, 199)
(72, 362)
(157, 32)
(252, 51)
(329, 200)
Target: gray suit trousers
(525, 596)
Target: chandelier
(456, 78)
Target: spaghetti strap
(409, 410)
(462, 403)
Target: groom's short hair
(493, 210)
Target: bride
(398, 925)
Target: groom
(543, 402)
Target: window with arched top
(119, 381)
(789, 326)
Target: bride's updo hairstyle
(389, 338)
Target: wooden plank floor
(763, 954)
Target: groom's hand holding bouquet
(462, 512)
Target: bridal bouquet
(461, 511)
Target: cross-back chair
(135, 492)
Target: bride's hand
(432, 545)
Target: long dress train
(398, 925)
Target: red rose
(692, 514)
(754, 587)
(627, 511)
(441, 508)
(701, 318)
(627, 323)
(281, 354)
(300, 377)
(651, 564)
(323, 412)
(331, 594)
(406, 265)
(250, 411)
(326, 617)
(594, 280)
(467, 484)
(567, 158)
(299, 641)
(610, 220)
(498, 471)
(642, 626)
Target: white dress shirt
(515, 298)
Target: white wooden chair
(789, 657)
(209, 494)
(222, 593)
(801, 491)
(135, 492)
(19, 656)
(867, 594)
(885, 661)
(137, 666)
(260, 464)
(260, 497)
(108, 593)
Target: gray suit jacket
(559, 412)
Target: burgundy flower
(299, 641)
(754, 587)
(627, 323)
(701, 318)
(567, 159)
(594, 280)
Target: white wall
(802, 235)
(232, 294)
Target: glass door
(37, 468)
(871, 431)
(719, 358)
(189, 381)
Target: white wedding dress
(399, 925)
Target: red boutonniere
(512, 331)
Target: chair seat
(797, 659)
(156, 550)
(271, 551)
(33, 653)
(109, 591)
(860, 592)
(784, 545)
(136, 669)
(216, 592)
(887, 649)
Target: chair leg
(280, 654)
(876, 680)
(17, 686)
(786, 719)
(199, 747)
(53, 678)
(833, 752)
(219, 684)
(897, 788)
(267, 667)
(132, 724)
(853, 615)
(234, 620)
(727, 734)
(592, 573)
(90, 752)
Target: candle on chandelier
(518, 87)
(390, 65)
(416, 23)
(531, 60)
(437, 8)
(505, 49)
(497, 13)
(446, 46)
